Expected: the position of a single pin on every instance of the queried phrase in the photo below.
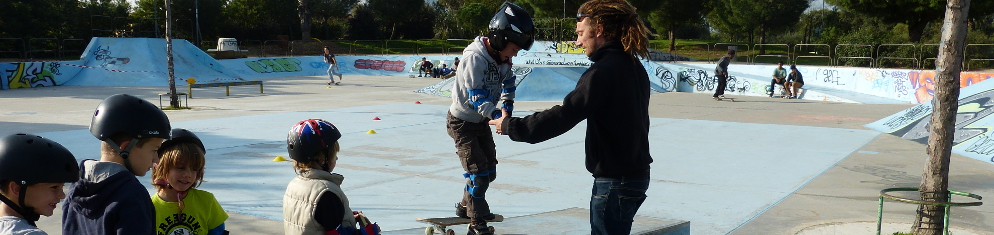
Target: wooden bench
(226, 85)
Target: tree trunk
(762, 39)
(393, 29)
(672, 41)
(935, 178)
(173, 99)
(304, 11)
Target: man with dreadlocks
(613, 96)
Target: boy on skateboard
(483, 79)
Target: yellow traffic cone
(371, 132)
(279, 159)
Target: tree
(304, 12)
(393, 13)
(762, 15)
(553, 8)
(668, 16)
(915, 13)
(475, 17)
(935, 178)
(363, 24)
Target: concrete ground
(845, 192)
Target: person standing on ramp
(483, 79)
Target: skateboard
(439, 225)
(726, 98)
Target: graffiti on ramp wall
(28, 74)
(972, 131)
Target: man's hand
(499, 122)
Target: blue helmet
(308, 137)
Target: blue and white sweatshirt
(480, 84)
(107, 199)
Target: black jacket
(613, 95)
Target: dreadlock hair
(620, 23)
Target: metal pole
(197, 6)
(564, 9)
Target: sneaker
(461, 213)
(479, 229)
(721, 96)
(338, 83)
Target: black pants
(478, 154)
(722, 84)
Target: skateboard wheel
(450, 232)
(429, 231)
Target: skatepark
(759, 165)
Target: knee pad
(472, 187)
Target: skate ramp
(972, 136)
(572, 221)
(142, 62)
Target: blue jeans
(613, 204)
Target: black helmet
(27, 159)
(30, 159)
(511, 24)
(123, 113)
(310, 136)
(180, 135)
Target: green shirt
(780, 73)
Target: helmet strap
(27, 212)
(125, 153)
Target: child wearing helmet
(108, 199)
(32, 172)
(314, 202)
(483, 79)
(181, 208)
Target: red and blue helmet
(308, 137)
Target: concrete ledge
(570, 221)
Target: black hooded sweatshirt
(613, 96)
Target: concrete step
(570, 221)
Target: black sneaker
(479, 229)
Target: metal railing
(946, 205)
(883, 55)
(978, 50)
(762, 52)
(718, 53)
(926, 53)
(868, 56)
(12, 46)
(806, 49)
(43, 48)
(72, 46)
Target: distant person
(796, 81)
(32, 172)
(445, 72)
(455, 64)
(332, 66)
(181, 208)
(108, 199)
(314, 202)
(426, 67)
(721, 72)
(613, 97)
(779, 77)
(485, 80)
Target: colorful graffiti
(558, 61)
(274, 65)
(923, 82)
(566, 47)
(387, 65)
(31, 74)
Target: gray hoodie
(479, 84)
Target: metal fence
(913, 56)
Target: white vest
(301, 199)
